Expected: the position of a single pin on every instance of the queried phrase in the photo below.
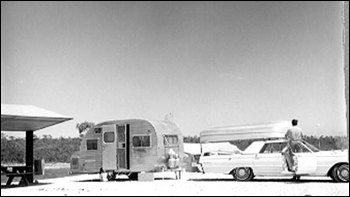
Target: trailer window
(91, 144)
(141, 141)
(109, 137)
(97, 130)
(170, 140)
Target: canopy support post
(30, 154)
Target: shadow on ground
(123, 180)
(267, 180)
(19, 186)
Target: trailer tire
(111, 176)
(107, 176)
(103, 176)
(133, 176)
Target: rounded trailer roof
(245, 132)
(166, 127)
(159, 126)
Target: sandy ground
(190, 184)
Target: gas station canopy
(28, 118)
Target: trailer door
(122, 158)
(109, 150)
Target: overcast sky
(209, 63)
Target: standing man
(293, 135)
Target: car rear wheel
(243, 174)
(341, 173)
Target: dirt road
(191, 184)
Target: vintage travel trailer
(129, 147)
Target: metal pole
(30, 154)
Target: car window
(273, 148)
(314, 149)
(300, 148)
(254, 148)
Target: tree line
(59, 150)
(55, 150)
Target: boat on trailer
(271, 130)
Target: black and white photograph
(174, 98)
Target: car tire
(243, 174)
(340, 173)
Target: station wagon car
(264, 158)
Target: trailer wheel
(133, 176)
(103, 176)
(107, 176)
(111, 176)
